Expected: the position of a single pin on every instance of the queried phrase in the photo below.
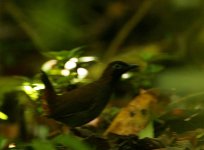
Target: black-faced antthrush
(85, 103)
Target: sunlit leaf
(148, 131)
(3, 116)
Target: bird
(81, 105)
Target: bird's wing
(67, 114)
(79, 100)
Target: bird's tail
(50, 95)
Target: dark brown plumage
(85, 103)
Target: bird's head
(116, 68)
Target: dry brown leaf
(135, 116)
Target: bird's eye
(117, 66)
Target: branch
(128, 27)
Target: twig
(128, 27)
(188, 97)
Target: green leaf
(147, 56)
(148, 131)
(42, 145)
(70, 142)
(153, 68)
(65, 54)
(2, 142)
(8, 84)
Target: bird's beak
(133, 67)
